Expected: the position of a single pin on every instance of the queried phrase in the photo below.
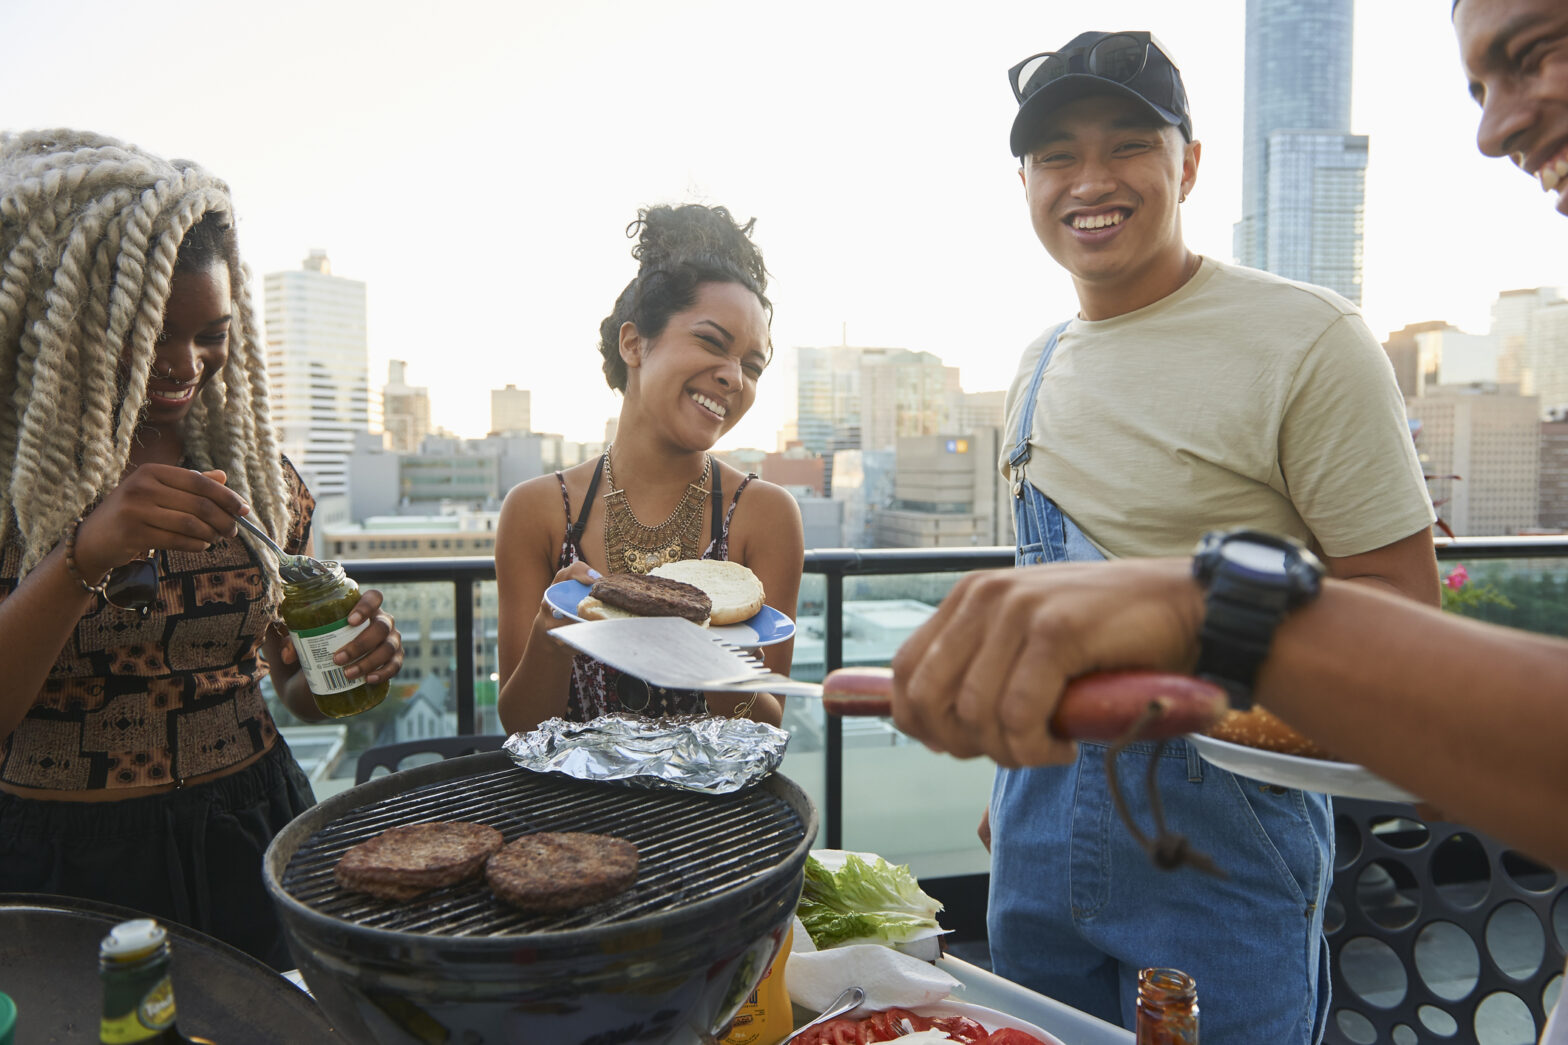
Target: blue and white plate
(764, 629)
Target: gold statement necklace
(633, 546)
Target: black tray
(49, 966)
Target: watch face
(1259, 559)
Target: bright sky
(476, 163)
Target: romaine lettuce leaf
(864, 901)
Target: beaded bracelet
(70, 561)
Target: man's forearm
(1471, 717)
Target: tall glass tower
(1303, 174)
(318, 366)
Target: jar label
(148, 1020)
(315, 647)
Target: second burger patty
(653, 596)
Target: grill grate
(690, 847)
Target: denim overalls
(1076, 908)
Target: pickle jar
(316, 610)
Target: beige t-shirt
(1242, 399)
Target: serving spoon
(292, 568)
(850, 999)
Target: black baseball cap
(1127, 64)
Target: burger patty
(562, 871)
(403, 862)
(653, 596)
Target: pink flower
(1457, 578)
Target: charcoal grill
(668, 961)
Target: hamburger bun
(1263, 730)
(735, 591)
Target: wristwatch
(1251, 580)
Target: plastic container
(316, 612)
(7, 1019)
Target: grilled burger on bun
(735, 591)
(640, 595)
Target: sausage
(1095, 707)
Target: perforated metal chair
(1438, 933)
(391, 756)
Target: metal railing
(834, 564)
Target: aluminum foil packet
(681, 752)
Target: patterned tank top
(598, 689)
(133, 700)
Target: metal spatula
(674, 652)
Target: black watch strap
(1251, 580)
(1234, 640)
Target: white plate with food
(1342, 779)
(880, 1026)
(766, 627)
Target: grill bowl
(670, 961)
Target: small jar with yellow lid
(315, 610)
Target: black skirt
(191, 856)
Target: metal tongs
(292, 568)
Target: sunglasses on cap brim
(1119, 58)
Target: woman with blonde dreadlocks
(138, 763)
(686, 344)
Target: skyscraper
(1303, 173)
(510, 410)
(1491, 436)
(318, 363)
(866, 398)
(407, 409)
(1531, 328)
(828, 398)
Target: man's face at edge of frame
(1515, 56)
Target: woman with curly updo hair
(138, 762)
(686, 344)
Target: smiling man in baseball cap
(1187, 395)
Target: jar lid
(133, 939)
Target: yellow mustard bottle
(316, 611)
(766, 1016)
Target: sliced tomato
(835, 1032)
(890, 1024)
(960, 1028)
(880, 1026)
(1008, 1036)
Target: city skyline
(476, 168)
